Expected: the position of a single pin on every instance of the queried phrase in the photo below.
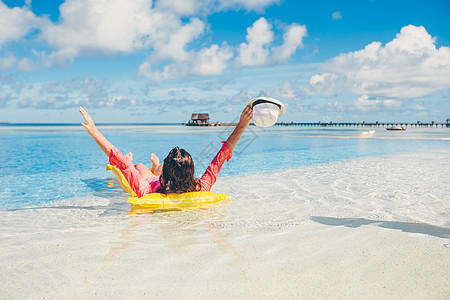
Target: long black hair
(178, 173)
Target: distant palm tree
(447, 120)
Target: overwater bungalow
(199, 119)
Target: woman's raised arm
(101, 141)
(244, 121)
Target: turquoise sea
(314, 213)
(47, 164)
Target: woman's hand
(101, 141)
(246, 116)
(89, 125)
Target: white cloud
(168, 72)
(287, 90)
(257, 51)
(8, 89)
(365, 104)
(241, 98)
(185, 7)
(292, 39)
(171, 44)
(161, 28)
(322, 84)
(196, 7)
(409, 66)
(116, 26)
(390, 103)
(256, 5)
(15, 23)
(72, 93)
(60, 58)
(119, 101)
(420, 111)
(336, 15)
(7, 62)
(90, 26)
(334, 106)
(211, 61)
(207, 61)
(25, 65)
(419, 107)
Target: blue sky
(160, 61)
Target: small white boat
(367, 134)
(395, 127)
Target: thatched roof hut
(200, 117)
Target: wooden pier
(364, 124)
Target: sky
(146, 61)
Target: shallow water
(52, 163)
(312, 215)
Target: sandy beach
(375, 227)
(178, 261)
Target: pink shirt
(143, 186)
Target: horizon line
(5, 124)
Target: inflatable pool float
(158, 201)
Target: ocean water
(314, 213)
(47, 164)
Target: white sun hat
(266, 110)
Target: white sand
(329, 232)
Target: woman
(178, 168)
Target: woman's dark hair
(178, 173)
